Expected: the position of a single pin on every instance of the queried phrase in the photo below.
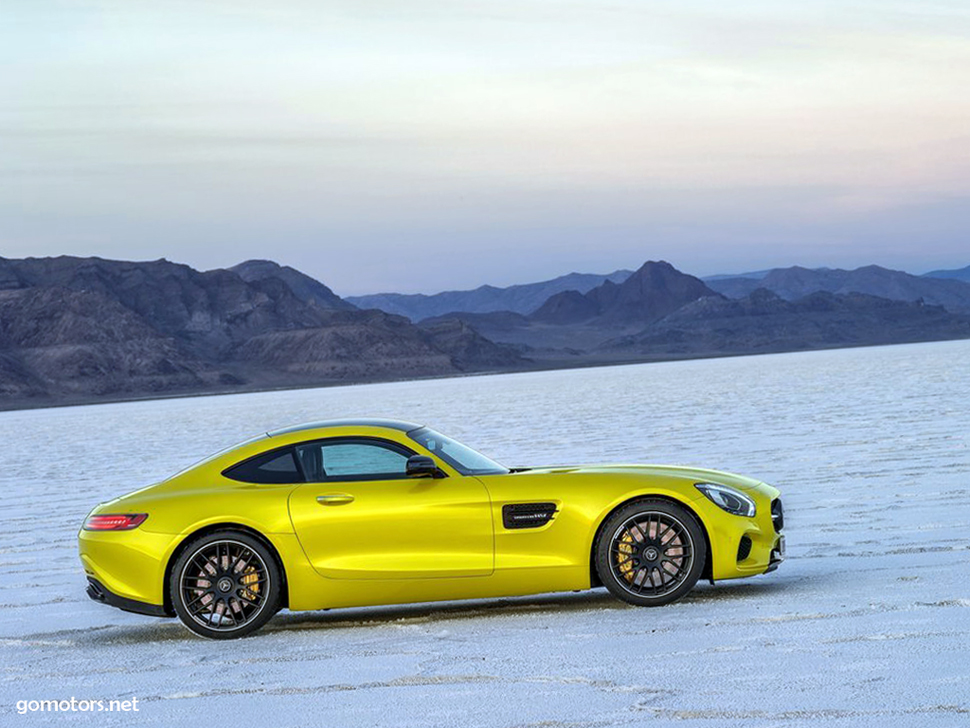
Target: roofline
(362, 422)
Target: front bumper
(99, 593)
(741, 546)
(777, 555)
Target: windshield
(461, 457)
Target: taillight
(115, 522)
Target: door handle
(335, 499)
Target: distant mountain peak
(568, 307)
(306, 288)
(658, 264)
(653, 291)
(959, 274)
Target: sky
(441, 144)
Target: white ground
(866, 624)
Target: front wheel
(225, 585)
(650, 552)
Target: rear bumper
(127, 564)
(99, 593)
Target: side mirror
(421, 466)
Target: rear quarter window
(272, 467)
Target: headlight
(731, 500)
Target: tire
(650, 552)
(225, 585)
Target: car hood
(695, 475)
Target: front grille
(744, 548)
(777, 515)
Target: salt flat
(866, 624)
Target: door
(360, 516)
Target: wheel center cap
(224, 584)
(650, 553)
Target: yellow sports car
(364, 512)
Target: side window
(352, 460)
(273, 467)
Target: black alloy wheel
(225, 585)
(650, 552)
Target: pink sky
(444, 143)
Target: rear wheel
(650, 552)
(225, 585)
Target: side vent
(527, 515)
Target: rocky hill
(652, 292)
(765, 322)
(307, 289)
(209, 311)
(87, 343)
(73, 329)
(796, 282)
(523, 299)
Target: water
(871, 448)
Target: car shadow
(732, 590)
(170, 630)
(593, 599)
(445, 611)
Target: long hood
(695, 475)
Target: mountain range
(960, 274)
(763, 322)
(616, 320)
(88, 329)
(523, 299)
(796, 282)
(77, 329)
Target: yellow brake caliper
(250, 578)
(626, 549)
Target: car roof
(322, 424)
